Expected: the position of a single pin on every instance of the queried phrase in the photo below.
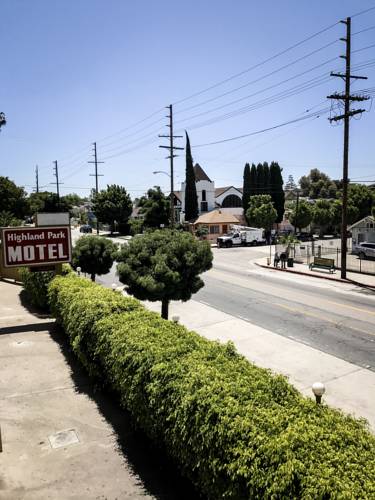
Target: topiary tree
(94, 255)
(164, 265)
(246, 191)
(277, 191)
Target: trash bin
(290, 262)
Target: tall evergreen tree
(191, 199)
(253, 180)
(260, 179)
(277, 191)
(246, 192)
(266, 176)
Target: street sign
(52, 219)
(36, 246)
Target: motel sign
(36, 246)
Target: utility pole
(346, 98)
(172, 149)
(96, 175)
(36, 179)
(56, 174)
(297, 208)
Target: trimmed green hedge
(36, 285)
(238, 431)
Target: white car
(364, 250)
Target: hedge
(237, 430)
(36, 285)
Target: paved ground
(44, 392)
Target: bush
(238, 431)
(94, 254)
(36, 285)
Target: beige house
(217, 221)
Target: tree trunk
(164, 308)
(92, 276)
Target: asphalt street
(337, 319)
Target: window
(225, 228)
(204, 206)
(231, 201)
(214, 229)
(204, 195)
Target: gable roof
(363, 221)
(200, 174)
(219, 191)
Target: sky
(78, 71)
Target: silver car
(364, 250)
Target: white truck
(241, 235)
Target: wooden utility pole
(347, 98)
(172, 149)
(96, 175)
(56, 174)
(36, 180)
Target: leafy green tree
(317, 184)
(113, 206)
(136, 226)
(155, 208)
(336, 213)
(8, 219)
(191, 198)
(362, 197)
(304, 216)
(277, 191)
(164, 265)
(45, 201)
(322, 214)
(253, 181)
(12, 198)
(73, 200)
(246, 191)
(201, 232)
(94, 255)
(261, 212)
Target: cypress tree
(260, 179)
(253, 180)
(246, 191)
(266, 175)
(277, 191)
(191, 199)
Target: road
(338, 319)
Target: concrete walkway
(61, 439)
(349, 387)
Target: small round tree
(94, 255)
(164, 265)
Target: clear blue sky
(78, 71)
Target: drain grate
(63, 438)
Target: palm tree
(2, 120)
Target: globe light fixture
(79, 271)
(318, 389)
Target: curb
(301, 273)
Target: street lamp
(318, 389)
(161, 172)
(114, 286)
(79, 271)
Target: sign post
(36, 246)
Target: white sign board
(51, 219)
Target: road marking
(305, 313)
(352, 307)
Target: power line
(263, 130)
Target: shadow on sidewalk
(157, 473)
(32, 327)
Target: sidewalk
(365, 280)
(62, 439)
(348, 386)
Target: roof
(219, 191)
(200, 174)
(177, 194)
(217, 217)
(360, 223)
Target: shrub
(238, 431)
(36, 285)
(94, 254)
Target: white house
(209, 197)
(363, 230)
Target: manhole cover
(63, 438)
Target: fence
(305, 253)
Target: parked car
(364, 250)
(85, 229)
